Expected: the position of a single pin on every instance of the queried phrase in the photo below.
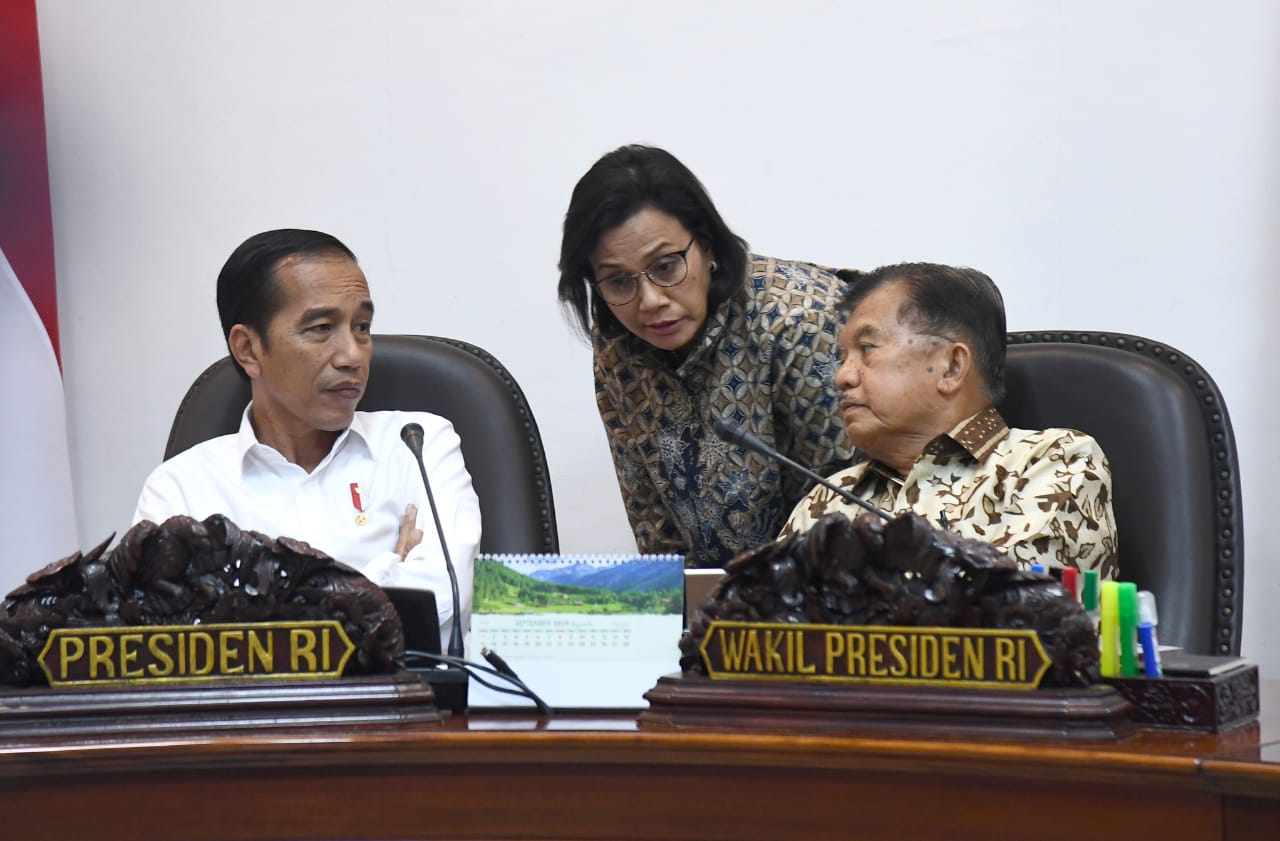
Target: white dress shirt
(349, 507)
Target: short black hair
(619, 185)
(247, 283)
(944, 301)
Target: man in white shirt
(296, 313)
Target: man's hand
(410, 535)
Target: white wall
(1113, 165)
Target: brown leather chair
(1175, 475)
(447, 377)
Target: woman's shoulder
(770, 277)
(793, 290)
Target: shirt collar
(247, 440)
(979, 434)
(712, 331)
(976, 435)
(357, 431)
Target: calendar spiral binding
(611, 558)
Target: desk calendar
(590, 631)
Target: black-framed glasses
(666, 271)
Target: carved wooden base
(687, 701)
(1212, 704)
(354, 703)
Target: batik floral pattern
(765, 361)
(1041, 496)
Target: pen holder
(1211, 704)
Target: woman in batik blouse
(687, 327)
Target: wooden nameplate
(137, 712)
(1097, 713)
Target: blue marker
(1038, 568)
(1147, 622)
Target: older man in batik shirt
(922, 368)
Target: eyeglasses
(666, 271)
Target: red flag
(37, 509)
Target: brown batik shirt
(1041, 496)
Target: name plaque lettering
(184, 653)
(881, 654)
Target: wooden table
(575, 776)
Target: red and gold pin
(361, 517)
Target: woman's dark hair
(944, 301)
(618, 186)
(247, 292)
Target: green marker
(1128, 628)
(1089, 597)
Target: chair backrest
(1175, 475)
(447, 377)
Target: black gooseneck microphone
(735, 434)
(411, 434)
(450, 683)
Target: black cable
(498, 663)
(523, 689)
(472, 669)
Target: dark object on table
(186, 572)
(903, 572)
(1212, 701)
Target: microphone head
(411, 434)
(735, 434)
(730, 432)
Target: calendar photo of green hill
(541, 584)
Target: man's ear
(957, 368)
(246, 348)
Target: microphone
(412, 435)
(735, 434)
